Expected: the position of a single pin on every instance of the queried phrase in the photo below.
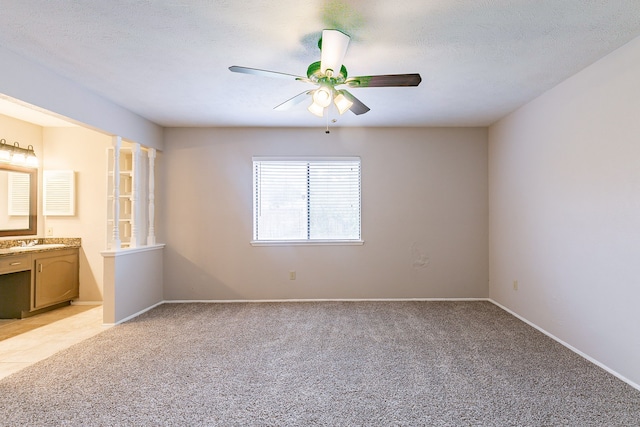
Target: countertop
(6, 245)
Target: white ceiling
(168, 60)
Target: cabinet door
(56, 280)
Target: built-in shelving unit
(130, 215)
(125, 193)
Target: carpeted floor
(319, 363)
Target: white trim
(307, 242)
(134, 315)
(305, 158)
(569, 346)
(253, 301)
(111, 253)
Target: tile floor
(26, 341)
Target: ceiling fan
(328, 73)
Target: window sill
(307, 242)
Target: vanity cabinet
(15, 282)
(14, 263)
(37, 281)
(55, 277)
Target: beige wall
(132, 282)
(85, 152)
(565, 211)
(424, 197)
(26, 134)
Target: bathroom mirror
(18, 200)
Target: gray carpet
(325, 364)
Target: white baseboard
(134, 315)
(225, 301)
(569, 346)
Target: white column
(151, 237)
(135, 158)
(116, 243)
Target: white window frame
(302, 242)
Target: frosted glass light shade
(32, 160)
(16, 155)
(342, 103)
(322, 97)
(316, 109)
(18, 159)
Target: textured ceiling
(168, 60)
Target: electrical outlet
(292, 275)
(515, 285)
(49, 231)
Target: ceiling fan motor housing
(315, 74)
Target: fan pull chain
(328, 111)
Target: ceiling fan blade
(266, 73)
(334, 47)
(384, 80)
(358, 107)
(293, 101)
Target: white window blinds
(58, 187)
(19, 185)
(306, 199)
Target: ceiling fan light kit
(322, 96)
(316, 109)
(333, 47)
(342, 103)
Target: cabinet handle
(15, 263)
(39, 268)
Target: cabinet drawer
(12, 264)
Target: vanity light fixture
(5, 151)
(16, 155)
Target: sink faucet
(32, 243)
(22, 243)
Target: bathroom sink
(38, 247)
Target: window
(306, 200)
